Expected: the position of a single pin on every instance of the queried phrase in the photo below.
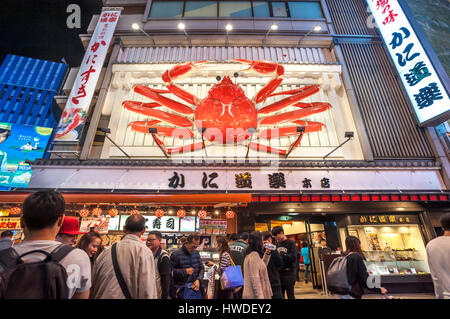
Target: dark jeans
(287, 279)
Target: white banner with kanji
(75, 113)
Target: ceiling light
(216, 212)
(318, 209)
(181, 26)
(400, 208)
(291, 209)
(193, 212)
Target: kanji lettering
(206, 183)
(170, 223)
(401, 60)
(243, 180)
(397, 39)
(428, 95)
(417, 74)
(176, 181)
(277, 180)
(325, 182)
(390, 18)
(307, 183)
(381, 4)
(156, 223)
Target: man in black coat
(274, 265)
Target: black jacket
(288, 251)
(273, 269)
(357, 276)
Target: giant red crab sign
(226, 115)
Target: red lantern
(202, 213)
(84, 212)
(15, 210)
(229, 214)
(181, 213)
(113, 212)
(97, 211)
(134, 212)
(159, 213)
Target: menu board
(100, 224)
(213, 226)
(10, 223)
(187, 224)
(114, 223)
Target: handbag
(232, 277)
(189, 293)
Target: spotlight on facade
(181, 26)
(317, 28)
(274, 27)
(135, 26)
(228, 27)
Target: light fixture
(193, 212)
(136, 26)
(15, 210)
(348, 135)
(97, 211)
(113, 212)
(228, 27)
(216, 212)
(181, 213)
(318, 209)
(181, 26)
(400, 208)
(170, 212)
(293, 214)
(84, 212)
(202, 213)
(229, 214)
(291, 209)
(316, 28)
(272, 27)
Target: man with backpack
(127, 269)
(40, 267)
(163, 268)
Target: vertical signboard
(420, 79)
(75, 113)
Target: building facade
(334, 151)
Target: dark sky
(37, 29)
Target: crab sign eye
(218, 78)
(236, 74)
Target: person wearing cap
(69, 231)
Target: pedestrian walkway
(306, 291)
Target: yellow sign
(10, 223)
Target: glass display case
(393, 249)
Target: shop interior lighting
(316, 28)
(182, 27)
(273, 27)
(291, 209)
(193, 212)
(108, 131)
(216, 212)
(348, 136)
(136, 26)
(228, 27)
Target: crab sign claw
(157, 114)
(177, 72)
(265, 68)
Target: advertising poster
(100, 224)
(10, 223)
(19, 143)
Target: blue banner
(19, 143)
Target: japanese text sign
(75, 113)
(419, 77)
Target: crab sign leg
(303, 93)
(157, 114)
(267, 149)
(176, 72)
(290, 131)
(265, 68)
(186, 148)
(294, 115)
(165, 101)
(144, 126)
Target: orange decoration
(113, 212)
(84, 212)
(181, 213)
(134, 212)
(15, 211)
(202, 213)
(159, 213)
(97, 211)
(229, 214)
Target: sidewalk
(306, 291)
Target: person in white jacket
(136, 264)
(438, 251)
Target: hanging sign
(420, 79)
(100, 224)
(75, 113)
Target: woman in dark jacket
(357, 274)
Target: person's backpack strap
(119, 276)
(8, 258)
(60, 252)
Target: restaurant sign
(417, 72)
(10, 223)
(383, 219)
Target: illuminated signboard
(420, 79)
(19, 143)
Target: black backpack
(46, 279)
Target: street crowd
(51, 264)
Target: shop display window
(235, 9)
(200, 9)
(305, 10)
(392, 250)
